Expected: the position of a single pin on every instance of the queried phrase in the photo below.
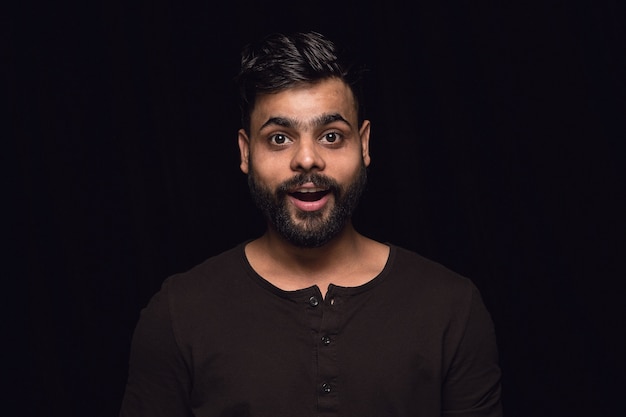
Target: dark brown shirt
(219, 340)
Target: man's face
(306, 160)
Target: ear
(244, 150)
(364, 134)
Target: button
(326, 340)
(326, 388)
(314, 301)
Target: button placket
(328, 370)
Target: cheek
(350, 165)
(266, 168)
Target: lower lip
(310, 205)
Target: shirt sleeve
(158, 378)
(472, 384)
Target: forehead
(306, 101)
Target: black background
(497, 150)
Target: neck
(350, 259)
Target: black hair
(281, 61)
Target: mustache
(319, 180)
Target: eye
(279, 139)
(331, 137)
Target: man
(312, 318)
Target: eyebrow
(323, 120)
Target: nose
(307, 157)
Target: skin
(291, 133)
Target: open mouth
(313, 194)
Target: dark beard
(314, 230)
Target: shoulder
(200, 293)
(419, 269)
(213, 278)
(227, 263)
(428, 282)
(435, 296)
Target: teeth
(309, 190)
